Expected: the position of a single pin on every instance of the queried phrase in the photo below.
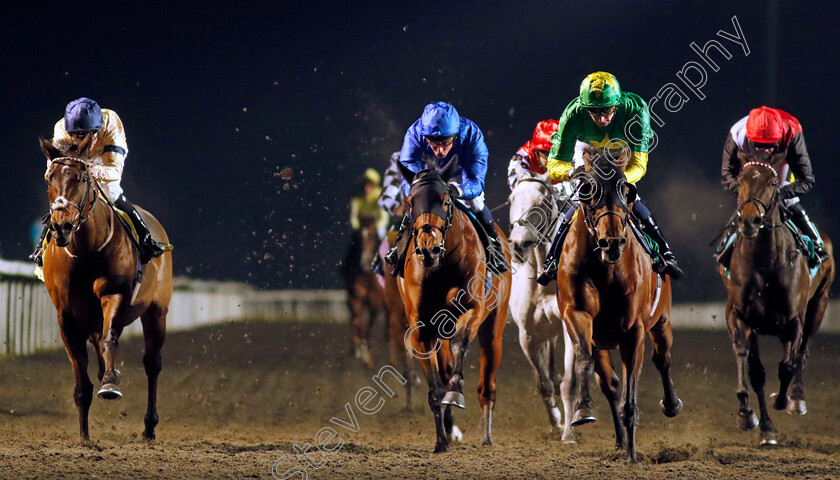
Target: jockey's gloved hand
(455, 191)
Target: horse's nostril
(418, 251)
(602, 242)
(435, 250)
(527, 244)
(622, 241)
(756, 220)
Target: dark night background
(216, 100)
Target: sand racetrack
(235, 398)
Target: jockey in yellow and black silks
(82, 118)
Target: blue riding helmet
(439, 119)
(82, 115)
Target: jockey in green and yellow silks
(364, 210)
(612, 122)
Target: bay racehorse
(365, 297)
(771, 292)
(535, 206)
(607, 292)
(449, 300)
(90, 270)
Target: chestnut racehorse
(771, 293)
(448, 300)
(607, 292)
(364, 295)
(90, 268)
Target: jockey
(774, 137)
(533, 155)
(83, 118)
(604, 117)
(363, 207)
(438, 136)
(392, 197)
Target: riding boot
(723, 252)
(549, 268)
(395, 255)
(669, 265)
(496, 261)
(149, 247)
(38, 255)
(806, 226)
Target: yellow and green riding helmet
(598, 90)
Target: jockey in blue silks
(432, 141)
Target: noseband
(591, 223)
(61, 203)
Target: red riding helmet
(542, 135)
(764, 125)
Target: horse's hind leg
(154, 334)
(399, 355)
(567, 386)
(663, 338)
(813, 319)
(539, 354)
(757, 380)
(632, 350)
(609, 385)
(490, 350)
(83, 393)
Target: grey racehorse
(534, 208)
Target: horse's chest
(765, 302)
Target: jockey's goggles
(600, 110)
(767, 146)
(80, 135)
(440, 141)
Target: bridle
(555, 206)
(762, 207)
(588, 207)
(448, 210)
(61, 203)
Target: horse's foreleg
(458, 346)
(609, 386)
(111, 331)
(426, 352)
(490, 353)
(83, 393)
(738, 334)
(580, 330)
(757, 380)
(567, 386)
(632, 353)
(540, 358)
(663, 338)
(154, 333)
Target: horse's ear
(49, 149)
(85, 145)
(407, 174)
(448, 169)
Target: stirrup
(391, 256)
(671, 268)
(549, 273)
(496, 260)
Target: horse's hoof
(455, 436)
(747, 420)
(767, 439)
(569, 438)
(673, 411)
(797, 407)
(441, 448)
(582, 416)
(109, 391)
(487, 443)
(148, 436)
(779, 403)
(454, 398)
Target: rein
(80, 219)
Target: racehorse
(365, 296)
(771, 292)
(90, 271)
(607, 292)
(534, 210)
(449, 299)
